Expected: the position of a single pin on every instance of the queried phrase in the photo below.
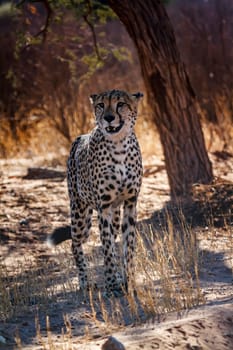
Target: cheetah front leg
(116, 223)
(107, 220)
(129, 238)
(116, 217)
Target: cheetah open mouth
(112, 129)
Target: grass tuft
(167, 279)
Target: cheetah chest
(109, 176)
(114, 182)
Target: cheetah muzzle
(104, 172)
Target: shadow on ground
(210, 206)
(44, 173)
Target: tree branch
(92, 29)
(49, 11)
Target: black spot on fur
(105, 197)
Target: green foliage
(91, 15)
(94, 9)
(122, 54)
(103, 12)
(6, 9)
(93, 62)
(53, 55)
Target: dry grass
(39, 288)
(166, 280)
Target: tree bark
(169, 92)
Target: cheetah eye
(121, 104)
(100, 105)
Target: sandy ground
(34, 202)
(209, 327)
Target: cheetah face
(115, 112)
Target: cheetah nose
(109, 118)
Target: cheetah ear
(137, 96)
(93, 98)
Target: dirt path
(32, 204)
(209, 327)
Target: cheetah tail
(59, 235)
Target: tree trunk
(169, 92)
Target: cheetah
(104, 172)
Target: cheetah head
(115, 112)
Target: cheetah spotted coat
(104, 173)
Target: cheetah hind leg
(121, 286)
(129, 242)
(80, 230)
